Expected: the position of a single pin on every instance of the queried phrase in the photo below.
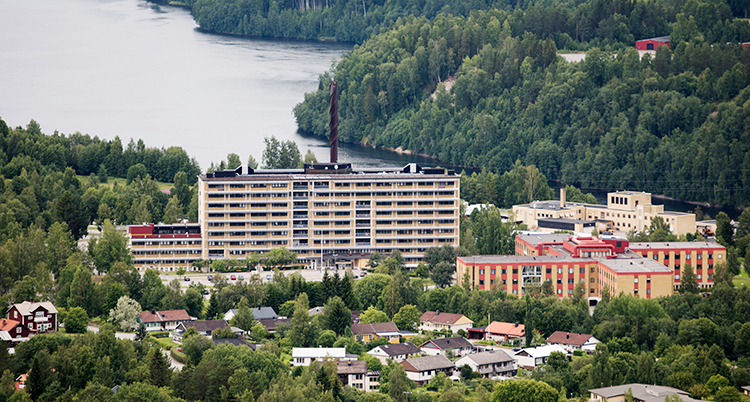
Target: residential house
(478, 333)
(458, 345)
(572, 341)
(270, 324)
(641, 393)
(21, 381)
(235, 342)
(166, 320)
(34, 318)
(397, 352)
(305, 356)
(505, 332)
(437, 321)
(746, 389)
(529, 358)
(259, 313)
(205, 328)
(11, 331)
(354, 373)
(493, 363)
(422, 369)
(315, 310)
(372, 331)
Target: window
(710, 256)
(582, 271)
(481, 272)
(648, 291)
(570, 271)
(591, 290)
(593, 280)
(593, 269)
(677, 277)
(635, 280)
(502, 271)
(549, 270)
(559, 281)
(559, 291)
(648, 280)
(699, 276)
(492, 271)
(18, 328)
(700, 256)
(481, 282)
(515, 281)
(559, 271)
(570, 291)
(676, 266)
(570, 280)
(515, 270)
(688, 256)
(719, 255)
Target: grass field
(743, 279)
(112, 180)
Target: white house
(422, 369)
(305, 356)
(571, 341)
(531, 357)
(493, 363)
(458, 344)
(397, 352)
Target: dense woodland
(671, 124)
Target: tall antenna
(334, 100)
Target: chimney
(562, 197)
(437, 312)
(334, 124)
(516, 323)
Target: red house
(34, 318)
(652, 44)
(10, 331)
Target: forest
(671, 124)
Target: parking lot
(310, 275)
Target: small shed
(652, 43)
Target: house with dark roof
(458, 344)
(422, 369)
(166, 320)
(572, 341)
(745, 389)
(493, 363)
(270, 324)
(205, 328)
(354, 373)
(437, 321)
(641, 393)
(34, 318)
(397, 352)
(372, 331)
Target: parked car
(234, 278)
(269, 278)
(210, 278)
(187, 279)
(242, 278)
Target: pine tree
(173, 211)
(338, 318)
(346, 292)
(159, 371)
(37, 380)
(301, 325)
(213, 306)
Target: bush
(579, 353)
(160, 334)
(177, 355)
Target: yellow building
(627, 210)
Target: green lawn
(742, 279)
(112, 180)
(165, 343)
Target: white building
(422, 369)
(305, 356)
(356, 375)
(493, 363)
(531, 357)
(397, 352)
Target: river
(133, 69)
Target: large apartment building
(648, 270)
(625, 211)
(326, 213)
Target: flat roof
(566, 220)
(677, 245)
(535, 239)
(326, 171)
(499, 259)
(552, 205)
(633, 265)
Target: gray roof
(395, 349)
(27, 307)
(450, 343)
(261, 313)
(490, 357)
(535, 239)
(676, 245)
(351, 367)
(204, 326)
(643, 392)
(628, 265)
(427, 363)
(235, 342)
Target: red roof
(506, 328)
(568, 338)
(440, 318)
(7, 325)
(167, 315)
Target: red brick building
(34, 318)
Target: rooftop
(427, 363)
(506, 328)
(205, 326)
(323, 170)
(449, 343)
(643, 392)
(395, 349)
(166, 315)
(541, 351)
(262, 313)
(568, 338)
(635, 264)
(677, 245)
(28, 307)
(374, 328)
(535, 239)
(316, 353)
(351, 367)
(490, 357)
(441, 318)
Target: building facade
(34, 318)
(327, 213)
(595, 263)
(625, 211)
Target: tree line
(671, 124)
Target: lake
(133, 69)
